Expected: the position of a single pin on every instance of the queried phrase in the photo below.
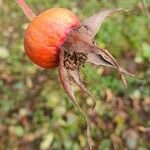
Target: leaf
(18, 130)
(105, 144)
(146, 51)
(4, 52)
(46, 143)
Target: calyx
(80, 48)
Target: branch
(27, 11)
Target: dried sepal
(94, 22)
(75, 75)
(63, 73)
(109, 59)
(25, 8)
(94, 52)
(99, 60)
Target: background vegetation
(35, 113)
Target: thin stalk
(25, 8)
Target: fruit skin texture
(45, 35)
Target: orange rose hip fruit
(45, 35)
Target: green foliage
(105, 144)
(146, 51)
(35, 111)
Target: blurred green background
(35, 112)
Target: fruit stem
(27, 11)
